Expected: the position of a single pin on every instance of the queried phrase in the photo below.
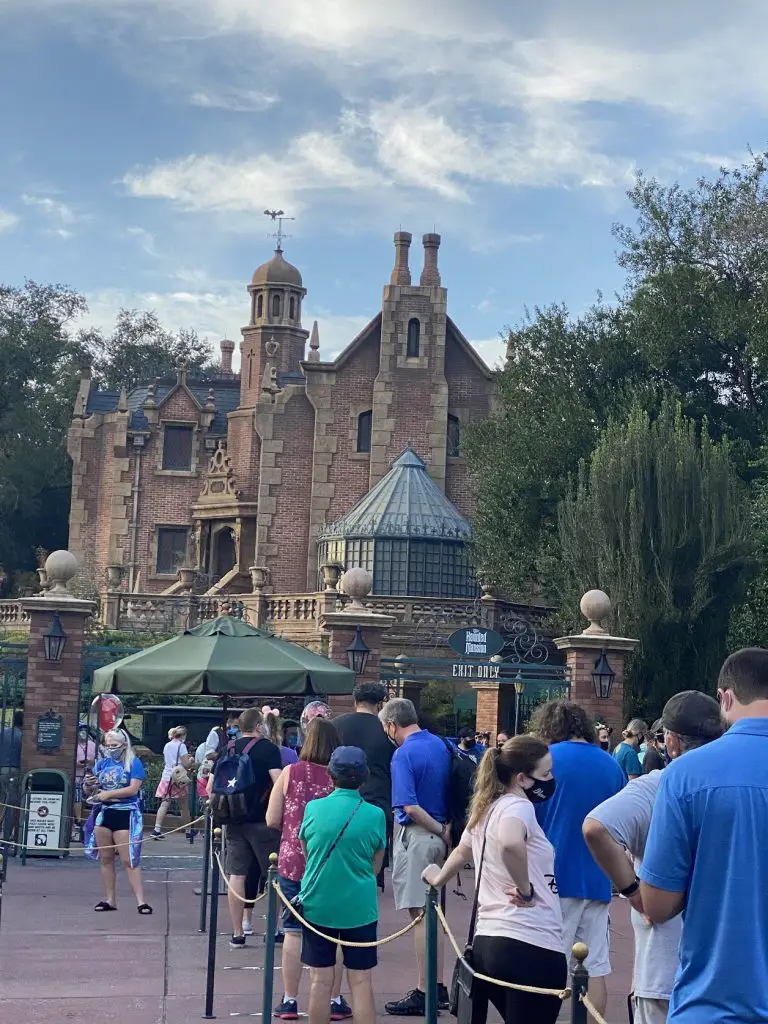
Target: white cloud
(237, 100)
(8, 220)
(145, 239)
(53, 209)
(492, 350)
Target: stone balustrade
(13, 614)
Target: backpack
(233, 782)
(461, 783)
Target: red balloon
(110, 712)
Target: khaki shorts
(587, 921)
(651, 1011)
(413, 849)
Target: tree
(659, 519)
(140, 349)
(39, 363)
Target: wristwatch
(528, 898)
(631, 889)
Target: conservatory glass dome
(407, 533)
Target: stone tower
(411, 382)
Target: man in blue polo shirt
(705, 856)
(421, 768)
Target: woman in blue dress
(116, 825)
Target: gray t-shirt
(627, 819)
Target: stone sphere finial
(356, 583)
(60, 567)
(595, 606)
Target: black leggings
(523, 964)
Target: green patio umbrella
(224, 656)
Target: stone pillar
(54, 686)
(341, 626)
(582, 652)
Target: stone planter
(114, 577)
(186, 578)
(42, 576)
(331, 574)
(259, 577)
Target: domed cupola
(276, 291)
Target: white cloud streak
(8, 220)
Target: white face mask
(115, 753)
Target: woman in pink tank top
(298, 784)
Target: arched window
(292, 308)
(260, 306)
(364, 426)
(412, 346)
(276, 305)
(453, 437)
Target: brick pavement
(63, 963)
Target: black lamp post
(55, 640)
(358, 653)
(519, 691)
(603, 677)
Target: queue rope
(561, 994)
(593, 1012)
(343, 942)
(114, 846)
(229, 887)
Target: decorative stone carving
(114, 576)
(186, 578)
(331, 574)
(596, 606)
(220, 482)
(60, 567)
(259, 577)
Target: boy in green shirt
(344, 839)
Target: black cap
(467, 733)
(693, 713)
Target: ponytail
(498, 768)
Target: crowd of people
(557, 824)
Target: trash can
(46, 825)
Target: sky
(141, 143)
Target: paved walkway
(60, 962)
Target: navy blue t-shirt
(585, 775)
(420, 774)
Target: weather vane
(279, 216)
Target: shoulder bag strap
(334, 844)
(473, 916)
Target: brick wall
(469, 398)
(581, 663)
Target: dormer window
(412, 343)
(177, 448)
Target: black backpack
(233, 786)
(461, 783)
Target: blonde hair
(272, 728)
(178, 732)
(122, 737)
(497, 770)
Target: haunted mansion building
(296, 462)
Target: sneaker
(288, 1009)
(247, 927)
(279, 939)
(412, 1005)
(156, 835)
(237, 941)
(443, 999)
(340, 1009)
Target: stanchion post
(269, 940)
(3, 870)
(206, 872)
(24, 829)
(579, 984)
(430, 956)
(213, 926)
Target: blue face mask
(233, 732)
(292, 741)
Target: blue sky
(142, 141)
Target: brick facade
(290, 426)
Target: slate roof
(404, 503)
(226, 396)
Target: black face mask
(541, 790)
(605, 744)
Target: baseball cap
(693, 713)
(467, 733)
(348, 763)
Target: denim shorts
(289, 889)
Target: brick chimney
(430, 275)
(400, 273)
(227, 348)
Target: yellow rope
(342, 942)
(226, 882)
(114, 846)
(560, 994)
(591, 1009)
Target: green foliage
(659, 519)
(749, 621)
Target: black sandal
(144, 908)
(102, 907)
